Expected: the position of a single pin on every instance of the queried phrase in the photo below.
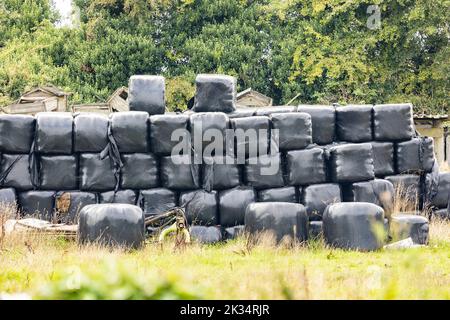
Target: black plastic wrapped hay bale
(234, 232)
(293, 130)
(147, 93)
(317, 197)
(207, 235)
(215, 93)
(54, 132)
(38, 204)
(8, 197)
(121, 196)
(112, 225)
(58, 172)
(380, 192)
(393, 122)
(283, 194)
(208, 123)
(403, 226)
(68, 205)
(17, 132)
(179, 173)
(442, 197)
(200, 207)
(415, 156)
(232, 205)
(323, 119)
(264, 172)
(442, 214)
(351, 163)
(407, 186)
(130, 131)
(161, 129)
(280, 218)
(383, 158)
(90, 132)
(252, 135)
(157, 200)
(220, 172)
(354, 123)
(306, 166)
(15, 172)
(96, 174)
(139, 171)
(354, 225)
(242, 113)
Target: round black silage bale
(112, 225)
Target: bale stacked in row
(323, 155)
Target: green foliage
(320, 49)
(111, 280)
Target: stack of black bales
(315, 155)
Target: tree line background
(321, 50)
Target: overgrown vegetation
(322, 50)
(58, 269)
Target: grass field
(55, 268)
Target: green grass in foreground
(60, 269)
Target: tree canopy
(322, 50)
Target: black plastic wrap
(393, 122)
(305, 167)
(158, 200)
(317, 197)
(407, 186)
(121, 196)
(353, 225)
(242, 113)
(90, 132)
(139, 171)
(220, 172)
(283, 219)
(403, 226)
(130, 130)
(442, 214)
(96, 174)
(351, 163)
(161, 129)
(354, 123)
(315, 229)
(112, 224)
(17, 133)
(380, 192)
(442, 197)
(211, 123)
(68, 205)
(200, 207)
(54, 132)
(232, 205)
(215, 93)
(267, 111)
(252, 143)
(264, 172)
(39, 204)
(323, 119)
(415, 156)
(15, 172)
(283, 194)
(58, 172)
(383, 158)
(8, 196)
(204, 234)
(147, 93)
(176, 174)
(294, 130)
(234, 232)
